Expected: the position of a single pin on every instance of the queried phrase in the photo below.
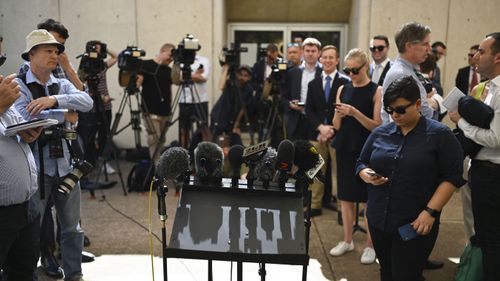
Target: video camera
(92, 61)
(232, 55)
(130, 64)
(129, 59)
(185, 54)
(278, 72)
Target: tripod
(356, 226)
(273, 117)
(134, 122)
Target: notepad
(451, 100)
(14, 129)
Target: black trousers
(400, 260)
(485, 193)
(19, 242)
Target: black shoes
(50, 266)
(87, 257)
(432, 264)
(316, 212)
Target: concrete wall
(145, 23)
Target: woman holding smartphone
(357, 112)
(419, 162)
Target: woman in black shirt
(418, 165)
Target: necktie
(328, 87)
(376, 73)
(473, 81)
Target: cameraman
(229, 110)
(96, 122)
(193, 107)
(155, 79)
(19, 217)
(44, 96)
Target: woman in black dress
(357, 113)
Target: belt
(485, 163)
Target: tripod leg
(356, 226)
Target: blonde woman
(357, 114)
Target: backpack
(470, 267)
(137, 176)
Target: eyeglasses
(471, 55)
(377, 48)
(354, 70)
(397, 109)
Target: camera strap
(37, 90)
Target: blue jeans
(68, 212)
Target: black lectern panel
(239, 225)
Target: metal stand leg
(239, 271)
(356, 226)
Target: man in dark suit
(379, 48)
(320, 108)
(465, 79)
(295, 91)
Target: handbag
(470, 267)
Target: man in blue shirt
(19, 218)
(56, 99)
(413, 43)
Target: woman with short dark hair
(412, 167)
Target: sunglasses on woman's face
(398, 109)
(354, 70)
(377, 48)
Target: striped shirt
(18, 173)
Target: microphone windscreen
(266, 167)
(173, 162)
(286, 155)
(208, 159)
(306, 155)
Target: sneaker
(342, 248)
(109, 169)
(368, 256)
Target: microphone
(235, 156)
(306, 156)
(284, 162)
(209, 158)
(172, 165)
(266, 167)
(251, 155)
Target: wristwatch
(432, 212)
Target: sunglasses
(471, 55)
(354, 70)
(398, 109)
(377, 48)
(293, 45)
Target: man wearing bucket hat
(44, 96)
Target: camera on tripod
(56, 132)
(92, 61)
(278, 73)
(130, 64)
(232, 55)
(185, 54)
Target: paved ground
(117, 224)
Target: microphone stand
(161, 190)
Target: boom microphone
(209, 158)
(284, 162)
(266, 167)
(235, 156)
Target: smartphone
(407, 232)
(372, 173)
(300, 103)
